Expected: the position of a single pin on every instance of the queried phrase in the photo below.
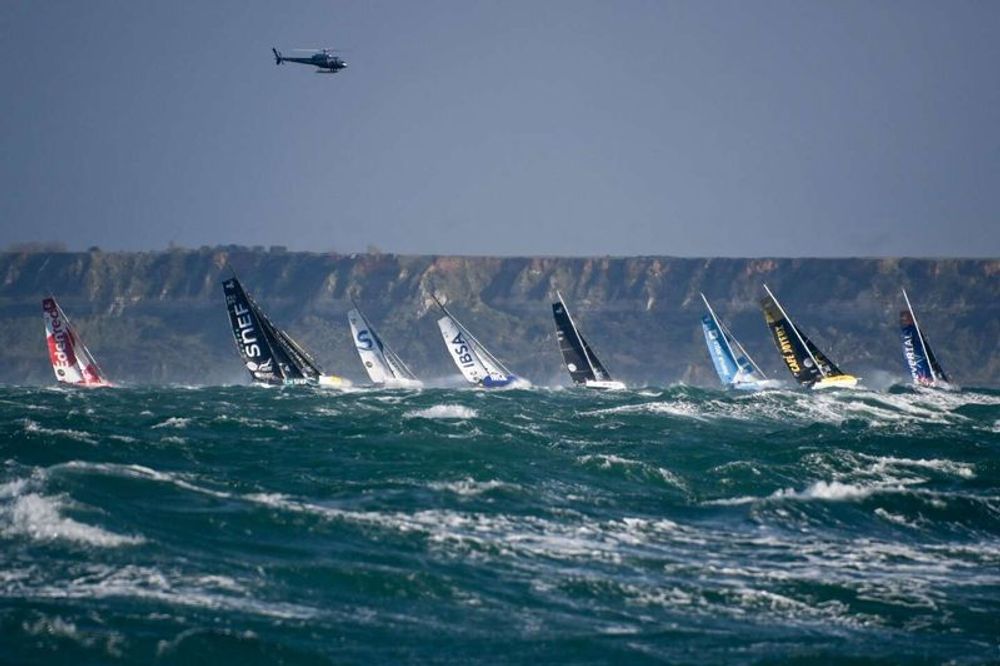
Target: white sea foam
(36, 429)
(471, 487)
(443, 412)
(893, 517)
(38, 517)
(139, 471)
(143, 582)
(883, 463)
(609, 461)
(178, 422)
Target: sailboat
(583, 365)
(270, 354)
(805, 361)
(381, 363)
(920, 359)
(735, 366)
(474, 361)
(71, 360)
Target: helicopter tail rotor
(277, 56)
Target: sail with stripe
(383, 365)
(732, 362)
(476, 363)
(920, 360)
(804, 360)
(579, 358)
(71, 361)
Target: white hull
(400, 383)
(760, 385)
(605, 384)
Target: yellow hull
(333, 381)
(838, 381)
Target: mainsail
(71, 361)
(475, 362)
(920, 359)
(581, 362)
(806, 363)
(732, 362)
(381, 362)
(269, 353)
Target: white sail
(372, 355)
(464, 351)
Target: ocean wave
(33, 428)
(39, 518)
(179, 422)
(469, 487)
(208, 591)
(444, 411)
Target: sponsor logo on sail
(61, 350)
(787, 351)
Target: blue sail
(924, 368)
(727, 366)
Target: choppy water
(242, 525)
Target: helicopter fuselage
(321, 60)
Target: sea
(249, 525)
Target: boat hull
(333, 381)
(399, 383)
(604, 385)
(838, 381)
(759, 385)
(510, 381)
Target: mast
(83, 346)
(920, 335)
(746, 353)
(576, 332)
(795, 328)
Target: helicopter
(321, 58)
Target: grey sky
(576, 127)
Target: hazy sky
(694, 128)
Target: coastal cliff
(154, 317)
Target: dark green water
(243, 525)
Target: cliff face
(159, 317)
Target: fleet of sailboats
(805, 361)
(272, 356)
(582, 363)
